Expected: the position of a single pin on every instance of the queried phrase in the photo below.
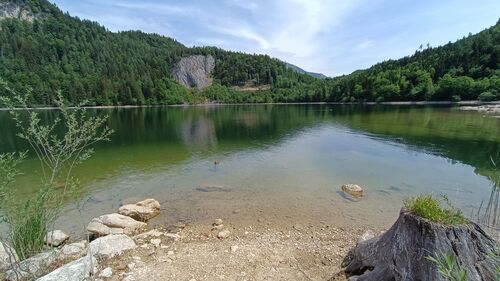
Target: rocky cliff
(15, 10)
(194, 71)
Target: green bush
(428, 207)
(487, 96)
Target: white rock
(55, 238)
(218, 222)
(224, 234)
(106, 273)
(353, 189)
(34, 266)
(111, 245)
(74, 249)
(151, 233)
(77, 270)
(143, 210)
(366, 236)
(170, 253)
(234, 249)
(114, 224)
(156, 242)
(7, 256)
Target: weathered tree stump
(400, 253)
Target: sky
(333, 37)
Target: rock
(156, 242)
(106, 273)
(77, 270)
(74, 249)
(218, 227)
(194, 71)
(111, 245)
(142, 211)
(114, 224)
(7, 256)
(234, 249)
(151, 233)
(170, 253)
(224, 234)
(33, 267)
(55, 238)
(218, 222)
(367, 235)
(353, 189)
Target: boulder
(55, 238)
(78, 270)
(106, 273)
(353, 189)
(113, 224)
(142, 211)
(74, 249)
(33, 267)
(7, 256)
(111, 245)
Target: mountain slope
(300, 70)
(46, 50)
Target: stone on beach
(114, 224)
(111, 245)
(77, 270)
(224, 234)
(143, 210)
(55, 238)
(7, 256)
(353, 189)
(218, 222)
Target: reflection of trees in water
(199, 132)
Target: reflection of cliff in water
(199, 132)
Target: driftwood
(400, 253)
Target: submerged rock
(77, 270)
(114, 224)
(213, 189)
(143, 210)
(55, 238)
(353, 189)
(111, 245)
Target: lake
(282, 164)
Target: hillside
(46, 50)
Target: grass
(431, 208)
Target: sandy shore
(259, 252)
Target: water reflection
(150, 138)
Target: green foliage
(488, 96)
(428, 207)
(87, 62)
(29, 218)
(446, 267)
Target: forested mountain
(46, 50)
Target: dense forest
(56, 52)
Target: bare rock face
(142, 211)
(113, 224)
(194, 71)
(400, 253)
(15, 10)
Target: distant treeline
(85, 61)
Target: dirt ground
(311, 252)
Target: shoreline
(459, 103)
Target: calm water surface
(281, 163)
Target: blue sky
(329, 36)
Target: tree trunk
(400, 253)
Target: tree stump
(400, 253)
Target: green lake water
(281, 163)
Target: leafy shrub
(487, 96)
